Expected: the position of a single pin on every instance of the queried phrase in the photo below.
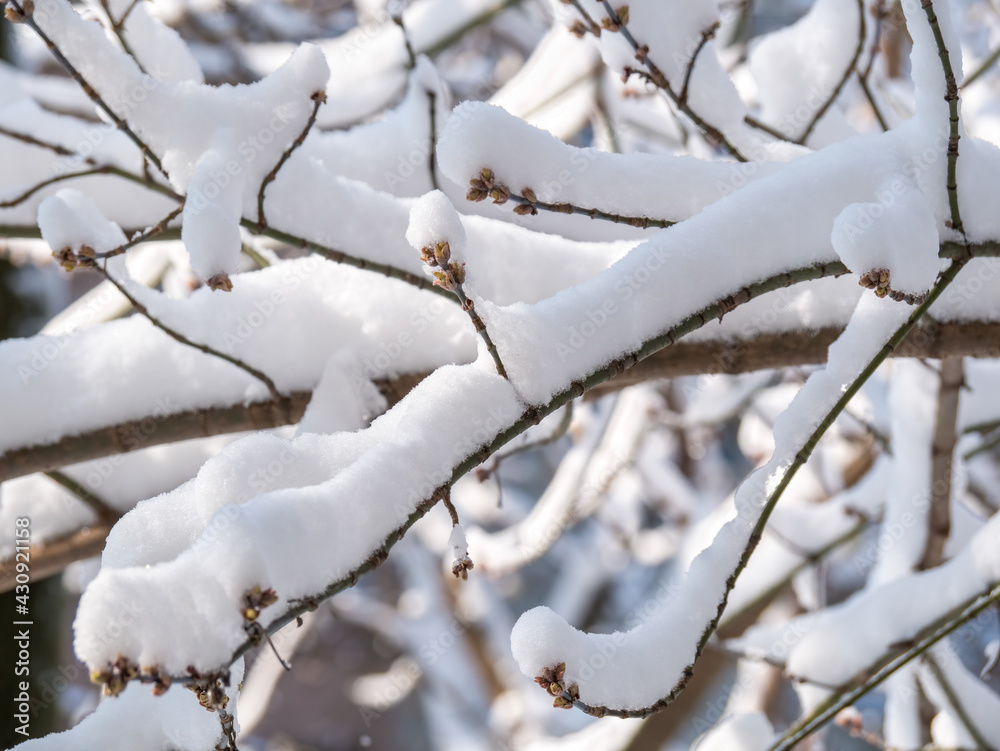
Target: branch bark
(796, 348)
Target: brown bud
(486, 174)
(318, 96)
(524, 209)
(500, 194)
(475, 194)
(427, 256)
(66, 258)
(561, 703)
(442, 253)
(220, 281)
(458, 273)
(529, 194)
(622, 13)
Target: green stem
(951, 96)
(956, 703)
(889, 665)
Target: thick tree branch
(790, 349)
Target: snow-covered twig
(874, 677)
(848, 72)
(87, 88)
(318, 98)
(143, 236)
(657, 78)
(955, 702)
(484, 186)
(771, 500)
(276, 395)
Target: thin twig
(118, 28)
(658, 79)
(555, 435)
(588, 25)
(338, 256)
(984, 66)
(105, 512)
(480, 326)
(870, 679)
(143, 236)
(848, 72)
(486, 185)
(942, 462)
(11, 202)
(87, 88)
(24, 137)
(706, 36)
(871, 102)
(262, 377)
(397, 18)
(951, 96)
(432, 102)
(956, 703)
(318, 97)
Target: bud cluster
(620, 19)
(255, 600)
(115, 676)
(485, 185)
(210, 690)
(552, 680)
(452, 274)
(461, 567)
(878, 280)
(70, 260)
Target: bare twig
(954, 116)
(483, 474)
(105, 512)
(25, 195)
(432, 161)
(276, 395)
(706, 36)
(848, 72)
(318, 97)
(87, 88)
(143, 236)
(984, 66)
(956, 703)
(656, 76)
(870, 679)
(25, 138)
(528, 203)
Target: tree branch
(763, 352)
(942, 461)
